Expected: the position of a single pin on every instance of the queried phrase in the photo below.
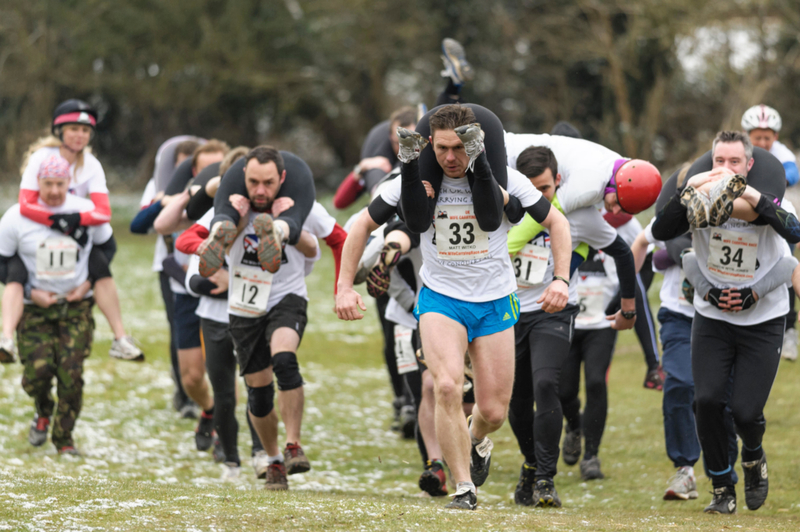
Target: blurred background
(654, 79)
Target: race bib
(404, 350)
(249, 291)
(56, 258)
(530, 265)
(590, 299)
(732, 255)
(458, 236)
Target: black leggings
(299, 185)
(169, 305)
(489, 172)
(752, 353)
(388, 347)
(595, 348)
(221, 369)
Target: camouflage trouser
(53, 342)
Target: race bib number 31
(732, 255)
(458, 236)
(530, 265)
(249, 291)
(56, 258)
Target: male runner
(467, 301)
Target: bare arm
(556, 296)
(639, 250)
(348, 301)
(307, 245)
(172, 217)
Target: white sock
(466, 485)
(275, 459)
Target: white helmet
(761, 117)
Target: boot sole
(671, 495)
(722, 207)
(269, 248)
(697, 218)
(431, 484)
(212, 251)
(294, 468)
(382, 270)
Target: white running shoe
(260, 463)
(789, 351)
(230, 472)
(682, 485)
(125, 349)
(8, 350)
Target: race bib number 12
(530, 265)
(249, 291)
(56, 258)
(458, 236)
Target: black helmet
(565, 129)
(73, 112)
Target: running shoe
(212, 249)
(38, 433)
(380, 276)
(126, 349)
(571, 446)
(397, 406)
(464, 499)
(682, 485)
(276, 477)
(189, 410)
(756, 482)
(218, 453)
(8, 350)
(69, 450)
(471, 136)
(295, 459)
(724, 501)
(411, 144)
(697, 207)
(654, 380)
(523, 494)
(789, 351)
(433, 480)
(456, 66)
(722, 196)
(230, 472)
(590, 469)
(480, 459)
(270, 242)
(408, 422)
(545, 494)
(204, 433)
(260, 462)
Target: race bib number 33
(249, 291)
(732, 255)
(56, 258)
(458, 236)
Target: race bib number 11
(458, 236)
(56, 258)
(249, 291)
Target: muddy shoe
(212, 249)
(270, 242)
(276, 477)
(722, 196)
(295, 459)
(379, 277)
(697, 207)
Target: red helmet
(638, 185)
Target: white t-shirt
(319, 222)
(671, 295)
(597, 285)
(90, 177)
(782, 153)
(209, 308)
(54, 261)
(738, 254)
(585, 167)
(586, 225)
(160, 253)
(460, 260)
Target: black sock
(208, 413)
(751, 456)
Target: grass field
(141, 471)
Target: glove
(66, 223)
(688, 290)
(713, 297)
(748, 300)
(81, 235)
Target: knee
(596, 388)
(448, 390)
(545, 387)
(191, 377)
(746, 414)
(707, 402)
(494, 414)
(261, 400)
(287, 371)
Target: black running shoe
(523, 495)
(38, 433)
(724, 501)
(464, 499)
(571, 446)
(204, 433)
(433, 480)
(590, 469)
(756, 482)
(545, 494)
(479, 461)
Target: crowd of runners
(499, 263)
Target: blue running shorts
(480, 319)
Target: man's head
(732, 150)
(449, 150)
(184, 150)
(211, 152)
(405, 117)
(54, 178)
(263, 175)
(539, 164)
(762, 123)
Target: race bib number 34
(530, 265)
(249, 291)
(56, 258)
(732, 255)
(458, 236)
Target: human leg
(221, 369)
(597, 359)
(38, 344)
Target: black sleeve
(626, 268)
(231, 183)
(299, 185)
(514, 210)
(174, 270)
(486, 194)
(380, 211)
(180, 178)
(784, 222)
(417, 207)
(676, 246)
(199, 204)
(671, 220)
(539, 210)
(202, 286)
(400, 225)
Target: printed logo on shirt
(250, 257)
